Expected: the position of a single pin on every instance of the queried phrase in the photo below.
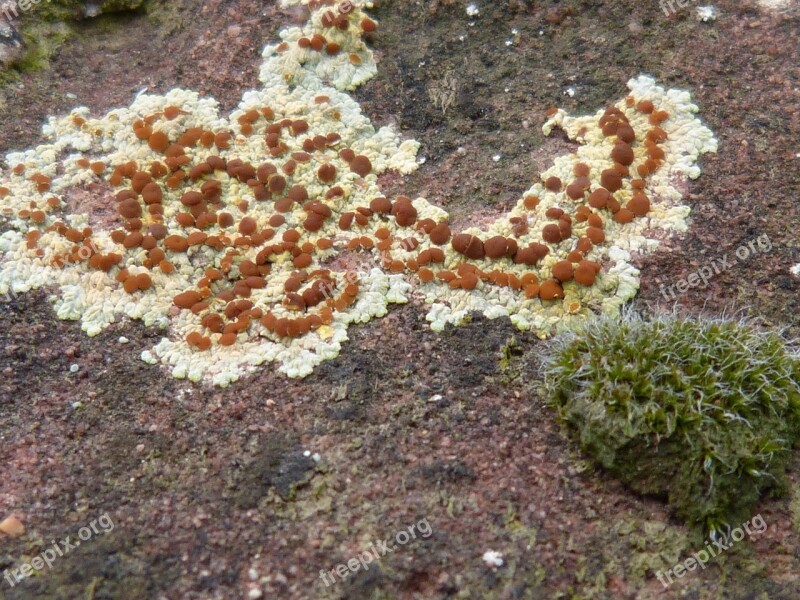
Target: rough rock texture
(31, 31)
(11, 48)
(210, 491)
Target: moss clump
(64, 10)
(702, 412)
(45, 26)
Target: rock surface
(11, 46)
(211, 492)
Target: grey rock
(11, 45)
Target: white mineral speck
(707, 13)
(73, 368)
(493, 559)
(473, 10)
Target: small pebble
(12, 526)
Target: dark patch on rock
(447, 472)
(279, 464)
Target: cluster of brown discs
(35, 213)
(283, 231)
(337, 18)
(587, 206)
(221, 297)
(589, 203)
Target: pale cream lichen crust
(687, 139)
(238, 234)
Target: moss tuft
(46, 25)
(704, 412)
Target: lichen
(262, 235)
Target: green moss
(794, 506)
(41, 39)
(702, 412)
(63, 10)
(45, 26)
